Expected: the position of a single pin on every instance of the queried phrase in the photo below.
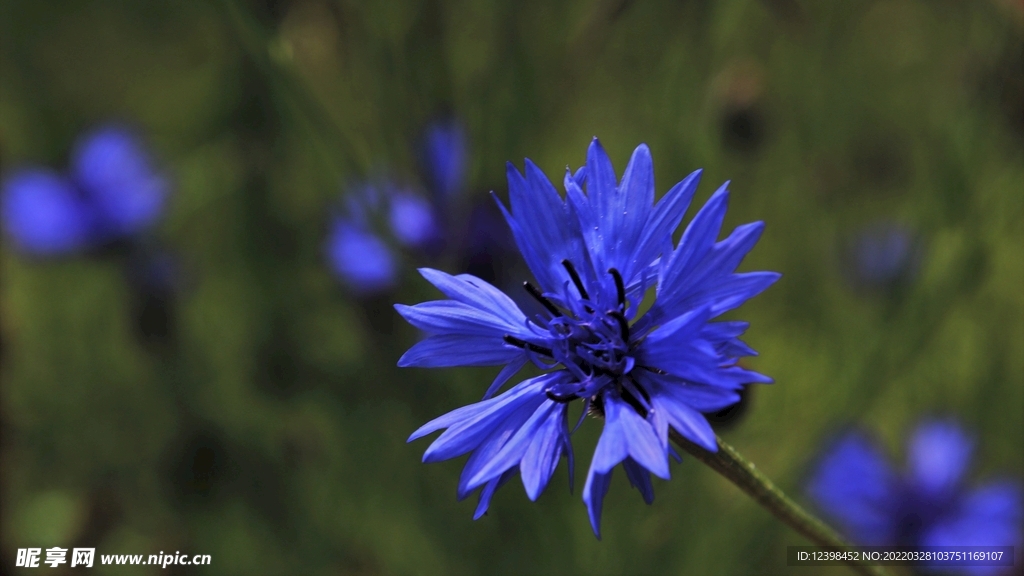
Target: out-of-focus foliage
(250, 407)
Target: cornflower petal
(627, 434)
(695, 244)
(724, 336)
(514, 366)
(594, 491)
(672, 348)
(640, 479)
(688, 422)
(502, 432)
(724, 330)
(680, 403)
(586, 215)
(700, 397)
(700, 272)
(621, 211)
(732, 291)
(449, 350)
(725, 256)
(664, 219)
(474, 414)
(545, 451)
(475, 292)
(545, 230)
(546, 423)
(465, 436)
(488, 492)
(635, 197)
(601, 185)
(451, 317)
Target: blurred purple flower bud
(884, 254)
(43, 214)
(112, 192)
(412, 220)
(360, 258)
(118, 178)
(445, 156)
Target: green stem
(741, 472)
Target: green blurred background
(268, 429)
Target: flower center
(596, 342)
(591, 343)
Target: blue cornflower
(112, 191)
(594, 255)
(926, 505)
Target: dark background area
(250, 407)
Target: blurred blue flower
(925, 506)
(117, 176)
(412, 219)
(358, 254)
(43, 213)
(359, 257)
(444, 149)
(113, 191)
(884, 254)
(594, 256)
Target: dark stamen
(510, 339)
(623, 324)
(640, 389)
(653, 369)
(562, 399)
(636, 404)
(620, 287)
(575, 279)
(540, 298)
